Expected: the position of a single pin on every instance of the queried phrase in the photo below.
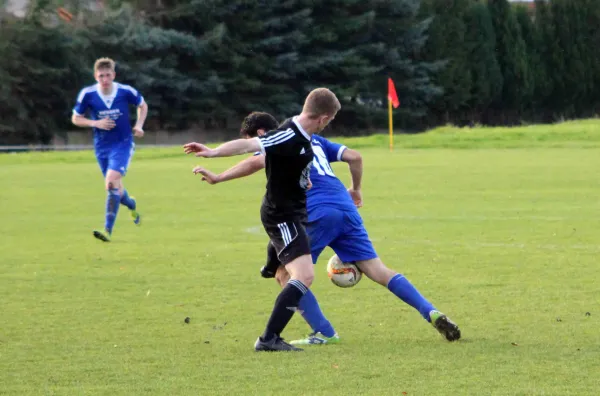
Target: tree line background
(207, 63)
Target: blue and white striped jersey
(327, 189)
(114, 106)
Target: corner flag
(392, 96)
(392, 101)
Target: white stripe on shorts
(285, 233)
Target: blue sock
(405, 291)
(311, 312)
(112, 208)
(125, 200)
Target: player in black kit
(288, 158)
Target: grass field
(505, 240)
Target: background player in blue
(333, 221)
(108, 104)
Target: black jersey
(288, 158)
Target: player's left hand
(309, 185)
(200, 150)
(207, 176)
(138, 131)
(356, 197)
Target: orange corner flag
(392, 101)
(392, 96)
(64, 14)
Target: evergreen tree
(592, 26)
(446, 42)
(35, 73)
(254, 52)
(544, 39)
(486, 77)
(593, 38)
(156, 61)
(280, 64)
(512, 57)
(574, 34)
(395, 44)
(334, 55)
(266, 40)
(532, 41)
(567, 34)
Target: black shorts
(288, 237)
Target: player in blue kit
(108, 104)
(333, 220)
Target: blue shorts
(116, 158)
(343, 231)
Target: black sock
(285, 306)
(272, 259)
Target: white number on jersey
(320, 162)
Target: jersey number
(320, 162)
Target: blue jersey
(114, 106)
(327, 189)
(333, 219)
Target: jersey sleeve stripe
(129, 88)
(277, 135)
(85, 91)
(280, 140)
(340, 152)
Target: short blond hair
(321, 101)
(104, 63)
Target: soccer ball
(343, 274)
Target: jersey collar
(302, 131)
(108, 99)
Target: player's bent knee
(302, 269)
(308, 279)
(113, 180)
(375, 270)
(282, 276)
(111, 185)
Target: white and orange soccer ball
(343, 274)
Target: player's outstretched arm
(242, 169)
(355, 164)
(231, 148)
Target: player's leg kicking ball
(444, 325)
(405, 291)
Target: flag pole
(392, 102)
(391, 124)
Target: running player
(108, 103)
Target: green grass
(571, 134)
(504, 241)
